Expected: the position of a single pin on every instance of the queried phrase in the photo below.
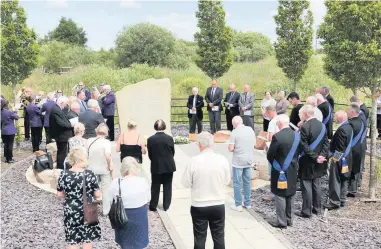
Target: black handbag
(43, 162)
(117, 215)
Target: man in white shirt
(207, 175)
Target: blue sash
(282, 180)
(317, 141)
(329, 116)
(344, 163)
(363, 136)
(358, 136)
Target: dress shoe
(343, 204)
(277, 225)
(330, 206)
(352, 195)
(289, 223)
(11, 161)
(152, 209)
(316, 213)
(300, 214)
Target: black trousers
(193, 121)
(111, 127)
(353, 182)
(284, 209)
(47, 135)
(36, 137)
(311, 194)
(379, 124)
(157, 180)
(266, 124)
(214, 216)
(8, 146)
(26, 125)
(229, 118)
(62, 149)
(338, 185)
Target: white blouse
(135, 191)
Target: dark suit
(61, 131)
(311, 171)
(294, 117)
(47, 107)
(91, 119)
(331, 101)
(195, 119)
(35, 121)
(161, 150)
(365, 113)
(280, 146)
(231, 112)
(8, 131)
(324, 108)
(214, 116)
(108, 112)
(72, 114)
(338, 182)
(357, 154)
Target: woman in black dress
(70, 187)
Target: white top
(97, 155)
(266, 102)
(318, 114)
(135, 191)
(206, 175)
(273, 128)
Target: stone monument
(145, 102)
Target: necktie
(231, 97)
(245, 97)
(213, 90)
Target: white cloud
(59, 4)
(129, 4)
(181, 25)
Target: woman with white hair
(78, 140)
(100, 162)
(70, 187)
(135, 193)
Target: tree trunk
(14, 94)
(355, 92)
(294, 85)
(373, 152)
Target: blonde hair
(102, 129)
(131, 124)
(77, 155)
(129, 166)
(78, 128)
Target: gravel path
(33, 218)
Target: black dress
(134, 151)
(71, 183)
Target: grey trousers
(338, 185)
(215, 121)
(311, 194)
(284, 209)
(353, 183)
(193, 121)
(248, 121)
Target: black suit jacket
(280, 146)
(331, 101)
(358, 149)
(91, 120)
(59, 125)
(324, 108)
(309, 168)
(199, 106)
(365, 110)
(234, 110)
(339, 143)
(71, 114)
(161, 150)
(294, 117)
(216, 100)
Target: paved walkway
(242, 230)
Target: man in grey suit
(246, 106)
(91, 118)
(81, 101)
(213, 98)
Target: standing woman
(70, 188)
(35, 121)
(266, 101)
(282, 104)
(135, 192)
(8, 130)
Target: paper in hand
(73, 121)
(215, 108)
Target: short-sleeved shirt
(243, 138)
(273, 128)
(98, 149)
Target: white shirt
(97, 155)
(135, 191)
(194, 101)
(273, 128)
(206, 175)
(318, 114)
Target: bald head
(75, 107)
(341, 116)
(214, 83)
(311, 100)
(195, 91)
(237, 121)
(246, 88)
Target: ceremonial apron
(337, 156)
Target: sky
(104, 19)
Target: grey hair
(320, 97)
(78, 128)
(270, 108)
(312, 100)
(62, 100)
(92, 103)
(106, 87)
(283, 118)
(51, 96)
(129, 166)
(205, 139)
(308, 109)
(237, 120)
(354, 99)
(102, 129)
(194, 89)
(325, 89)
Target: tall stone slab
(145, 102)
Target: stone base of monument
(45, 180)
(219, 137)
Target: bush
(182, 56)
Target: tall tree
(68, 31)
(19, 48)
(215, 55)
(294, 44)
(351, 34)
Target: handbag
(90, 206)
(43, 162)
(117, 215)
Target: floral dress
(71, 183)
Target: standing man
(195, 104)
(315, 150)
(213, 98)
(81, 101)
(60, 129)
(341, 163)
(242, 145)
(324, 90)
(207, 175)
(312, 100)
(24, 96)
(73, 111)
(246, 104)
(359, 128)
(35, 121)
(108, 110)
(47, 107)
(231, 103)
(327, 112)
(81, 87)
(91, 119)
(294, 99)
(283, 156)
(282, 104)
(161, 152)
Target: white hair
(106, 87)
(129, 166)
(237, 120)
(205, 139)
(51, 96)
(283, 118)
(312, 100)
(62, 100)
(194, 89)
(309, 110)
(320, 97)
(92, 103)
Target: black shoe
(289, 223)
(330, 206)
(152, 209)
(11, 161)
(27, 139)
(300, 214)
(277, 225)
(352, 195)
(316, 213)
(343, 204)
